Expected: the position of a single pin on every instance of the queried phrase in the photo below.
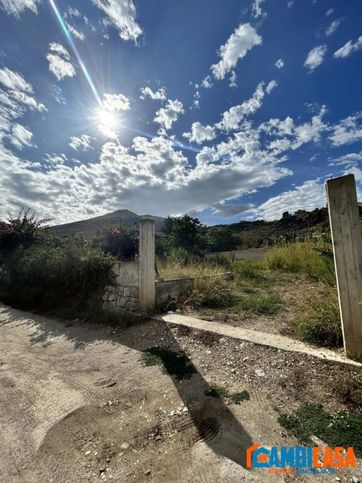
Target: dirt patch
(78, 404)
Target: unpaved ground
(293, 292)
(77, 403)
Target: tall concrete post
(347, 247)
(147, 273)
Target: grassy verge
(319, 321)
(312, 259)
(338, 429)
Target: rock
(87, 453)
(355, 479)
(147, 472)
(259, 373)
(124, 445)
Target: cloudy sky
(226, 110)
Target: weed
(320, 322)
(238, 397)
(266, 304)
(312, 259)
(340, 429)
(174, 363)
(250, 271)
(349, 389)
(222, 393)
(213, 292)
(216, 391)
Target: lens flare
(75, 50)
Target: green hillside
(89, 228)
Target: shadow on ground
(215, 423)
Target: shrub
(312, 259)
(21, 231)
(118, 242)
(49, 277)
(320, 322)
(212, 291)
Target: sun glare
(108, 123)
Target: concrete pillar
(147, 273)
(347, 247)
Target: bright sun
(107, 123)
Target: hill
(89, 228)
(291, 227)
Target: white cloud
(279, 64)
(20, 136)
(83, 142)
(200, 133)
(347, 131)
(159, 95)
(231, 119)
(329, 12)
(14, 80)
(308, 196)
(17, 96)
(348, 48)
(207, 83)
(290, 3)
(257, 10)
(17, 7)
(59, 61)
(116, 102)
(232, 80)
(121, 14)
(167, 115)
(333, 27)
(315, 57)
(74, 12)
(76, 33)
(236, 47)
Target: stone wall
(167, 290)
(124, 294)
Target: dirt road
(78, 404)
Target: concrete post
(347, 247)
(147, 273)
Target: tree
(222, 238)
(119, 242)
(184, 232)
(21, 231)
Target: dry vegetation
(292, 291)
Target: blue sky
(225, 110)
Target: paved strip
(256, 337)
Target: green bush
(312, 259)
(45, 276)
(320, 322)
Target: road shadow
(216, 425)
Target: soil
(293, 293)
(77, 403)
